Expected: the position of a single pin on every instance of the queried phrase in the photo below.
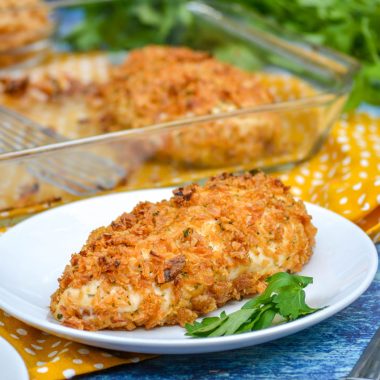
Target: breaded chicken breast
(167, 263)
(159, 83)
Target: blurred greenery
(349, 26)
(126, 24)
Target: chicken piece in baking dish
(159, 83)
(169, 262)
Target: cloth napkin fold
(344, 177)
(49, 357)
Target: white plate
(11, 364)
(35, 252)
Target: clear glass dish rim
(318, 100)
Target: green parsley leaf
(206, 326)
(291, 303)
(284, 297)
(235, 321)
(265, 319)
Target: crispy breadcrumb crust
(184, 257)
(159, 83)
(22, 22)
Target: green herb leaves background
(349, 26)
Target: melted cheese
(258, 263)
(166, 295)
(134, 300)
(84, 295)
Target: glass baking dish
(25, 31)
(308, 87)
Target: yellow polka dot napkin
(52, 358)
(344, 177)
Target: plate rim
(144, 344)
(21, 365)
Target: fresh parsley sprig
(284, 297)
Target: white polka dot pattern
(345, 175)
(49, 358)
(68, 373)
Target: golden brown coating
(169, 262)
(159, 84)
(25, 26)
(23, 22)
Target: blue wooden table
(326, 351)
